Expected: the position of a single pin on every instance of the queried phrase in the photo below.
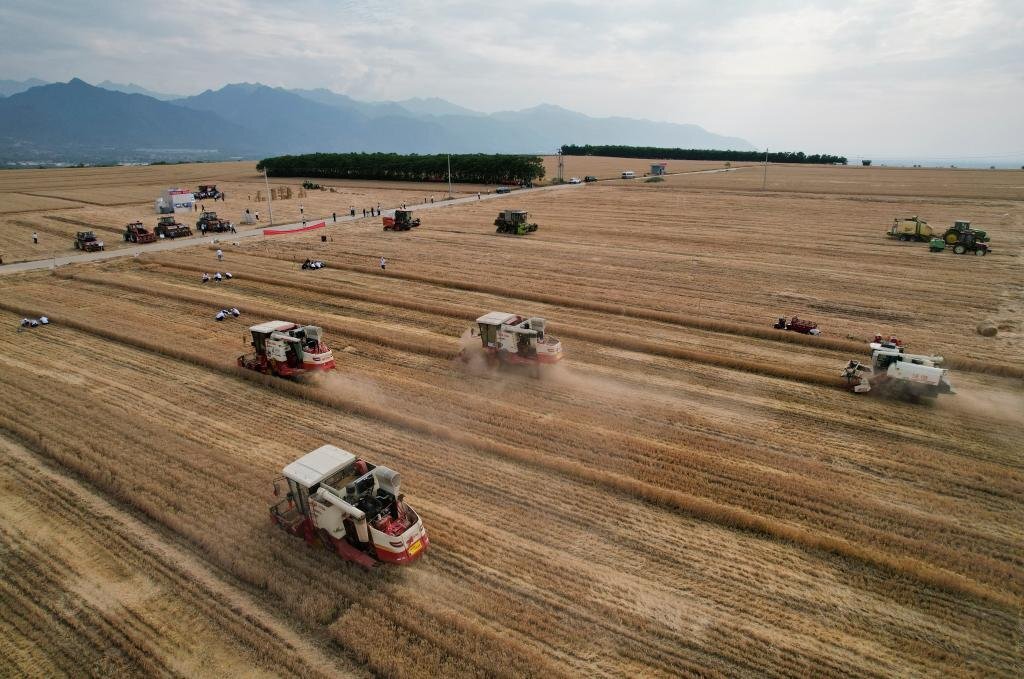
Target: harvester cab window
(489, 334)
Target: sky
(881, 79)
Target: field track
(691, 493)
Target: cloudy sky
(875, 78)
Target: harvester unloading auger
(287, 350)
(516, 340)
(354, 508)
(898, 374)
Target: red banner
(278, 232)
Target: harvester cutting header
(353, 507)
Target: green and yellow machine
(514, 222)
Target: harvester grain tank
(86, 241)
(351, 506)
(136, 232)
(910, 228)
(287, 350)
(517, 340)
(896, 373)
(169, 227)
(402, 221)
(514, 222)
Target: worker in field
(235, 312)
(217, 277)
(35, 238)
(220, 255)
(383, 264)
(205, 278)
(227, 275)
(221, 315)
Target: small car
(590, 178)
(575, 180)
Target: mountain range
(78, 122)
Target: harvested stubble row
(784, 495)
(735, 517)
(726, 639)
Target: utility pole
(270, 201)
(764, 182)
(561, 166)
(449, 176)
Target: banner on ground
(278, 232)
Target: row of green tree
(699, 154)
(476, 168)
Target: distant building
(658, 169)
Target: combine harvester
(353, 507)
(169, 227)
(510, 339)
(796, 324)
(209, 221)
(514, 222)
(86, 241)
(895, 373)
(136, 232)
(287, 350)
(402, 221)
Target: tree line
(698, 154)
(476, 168)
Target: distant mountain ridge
(78, 122)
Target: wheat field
(691, 493)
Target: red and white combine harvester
(516, 340)
(287, 350)
(353, 507)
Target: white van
(629, 174)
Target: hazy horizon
(929, 82)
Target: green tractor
(960, 228)
(514, 222)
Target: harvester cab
(514, 222)
(402, 221)
(898, 373)
(287, 350)
(353, 507)
(510, 338)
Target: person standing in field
(383, 264)
(220, 255)
(257, 215)
(35, 238)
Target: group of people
(217, 277)
(312, 264)
(224, 313)
(34, 322)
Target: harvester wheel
(981, 252)
(959, 249)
